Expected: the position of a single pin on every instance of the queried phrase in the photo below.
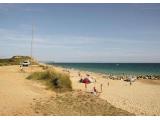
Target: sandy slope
(17, 95)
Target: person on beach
(130, 82)
(87, 75)
(21, 68)
(101, 87)
(79, 74)
(94, 90)
(91, 79)
(94, 79)
(108, 83)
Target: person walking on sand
(79, 74)
(108, 83)
(21, 68)
(101, 87)
(130, 82)
(94, 91)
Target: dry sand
(17, 95)
(78, 103)
(140, 98)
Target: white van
(26, 63)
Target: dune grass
(50, 78)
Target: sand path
(17, 95)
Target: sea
(115, 68)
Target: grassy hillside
(16, 60)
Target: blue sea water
(115, 68)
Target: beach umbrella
(86, 80)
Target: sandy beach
(17, 95)
(140, 98)
(80, 58)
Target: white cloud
(79, 48)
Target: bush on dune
(53, 79)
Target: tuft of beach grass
(49, 76)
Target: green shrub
(50, 77)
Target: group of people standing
(88, 79)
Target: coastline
(114, 76)
(20, 96)
(135, 69)
(140, 98)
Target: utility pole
(32, 45)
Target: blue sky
(82, 32)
